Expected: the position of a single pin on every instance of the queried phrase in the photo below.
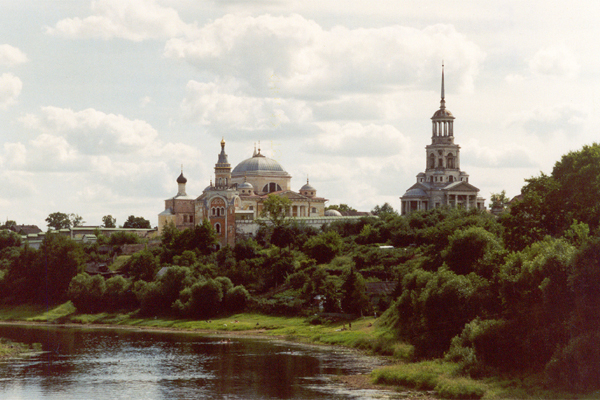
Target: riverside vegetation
(484, 306)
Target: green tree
(76, 220)
(60, 260)
(141, 266)
(498, 201)
(87, 292)
(324, 247)
(385, 209)
(473, 250)
(275, 208)
(136, 222)
(109, 222)
(58, 220)
(343, 208)
(201, 300)
(353, 296)
(550, 203)
(9, 239)
(8, 224)
(201, 238)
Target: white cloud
(108, 153)
(483, 156)
(94, 132)
(134, 20)
(556, 60)
(224, 105)
(10, 89)
(10, 56)
(354, 139)
(300, 58)
(15, 155)
(547, 121)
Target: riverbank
(423, 380)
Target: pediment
(461, 187)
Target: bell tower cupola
(442, 121)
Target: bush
(324, 247)
(575, 367)
(87, 292)
(483, 344)
(202, 299)
(236, 299)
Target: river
(100, 363)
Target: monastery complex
(234, 201)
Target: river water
(87, 364)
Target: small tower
(222, 169)
(307, 190)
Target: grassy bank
(443, 378)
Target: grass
(9, 349)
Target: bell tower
(222, 169)
(443, 156)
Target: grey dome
(442, 113)
(332, 213)
(245, 185)
(257, 164)
(308, 187)
(415, 193)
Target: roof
(181, 178)
(443, 113)
(25, 229)
(332, 213)
(380, 288)
(258, 164)
(415, 192)
(461, 186)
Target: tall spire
(443, 101)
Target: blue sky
(101, 102)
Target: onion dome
(181, 179)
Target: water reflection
(122, 364)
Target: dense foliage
(518, 292)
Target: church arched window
(271, 187)
(218, 228)
(431, 161)
(450, 161)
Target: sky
(102, 103)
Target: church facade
(442, 183)
(236, 197)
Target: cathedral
(442, 183)
(235, 199)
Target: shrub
(87, 292)
(236, 299)
(575, 367)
